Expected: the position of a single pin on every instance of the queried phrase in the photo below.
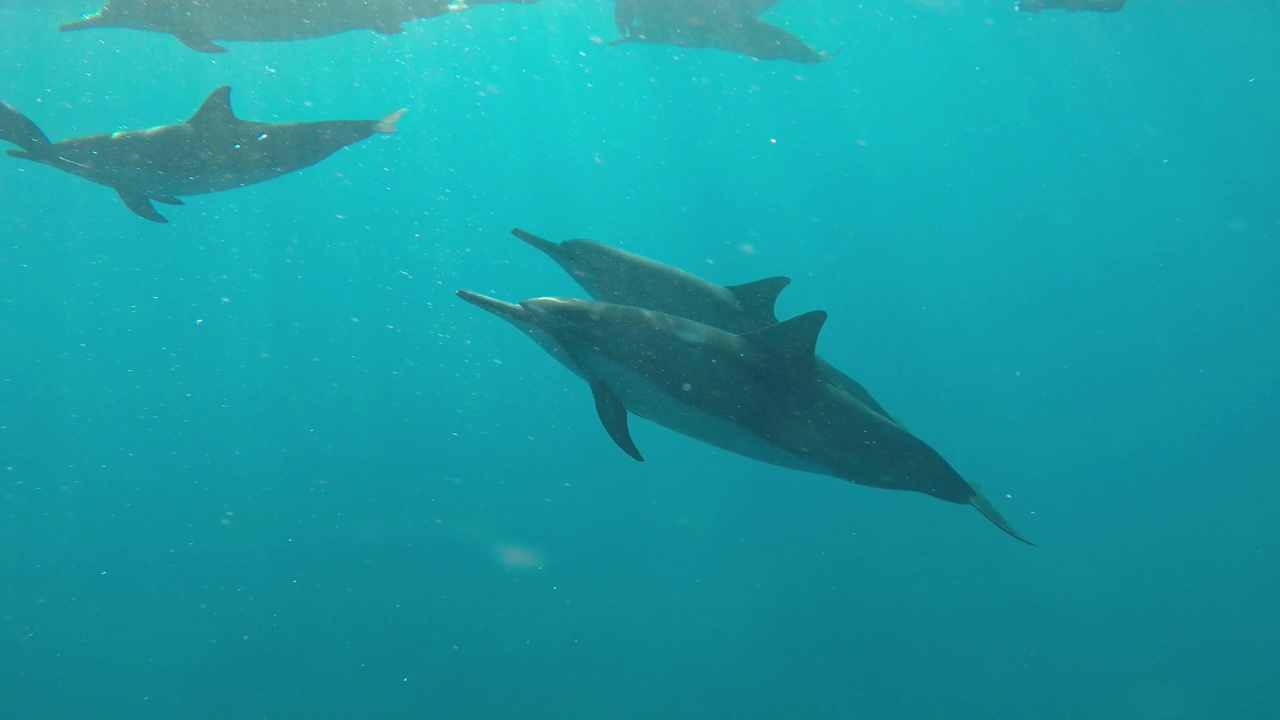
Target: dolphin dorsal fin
(795, 341)
(215, 110)
(757, 299)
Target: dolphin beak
(85, 23)
(505, 310)
(551, 248)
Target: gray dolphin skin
(212, 151)
(757, 394)
(730, 25)
(616, 276)
(198, 23)
(1035, 6)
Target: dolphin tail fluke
(18, 129)
(387, 125)
(989, 511)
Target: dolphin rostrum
(212, 151)
(724, 24)
(198, 23)
(616, 276)
(757, 394)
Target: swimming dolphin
(724, 24)
(198, 23)
(616, 276)
(210, 152)
(1035, 6)
(757, 394)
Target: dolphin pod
(616, 276)
(759, 394)
(199, 23)
(211, 151)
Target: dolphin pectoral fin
(614, 418)
(199, 43)
(989, 511)
(757, 299)
(140, 205)
(551, 248)
(167, 200)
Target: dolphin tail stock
(387, 124)
(989, 511)
(18, 129)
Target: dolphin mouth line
(498, 307)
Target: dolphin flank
(212, 151)
(758, 394)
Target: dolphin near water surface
(199, 23)
(731, 25)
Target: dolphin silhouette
(616, 276)
(1035, 6)
(210, 152)
(724, 24)
(198, 23)
(757, 394)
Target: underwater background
(260, 462)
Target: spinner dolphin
(731, 25)
(757, 394)
(199, 23)
(212, 151)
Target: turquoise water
(260, 462)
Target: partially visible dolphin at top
(616, 276)
(198, 23)
(730, 25)
(757, 394)
(1035, 6)
(212, 151)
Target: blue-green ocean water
(262, 463)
